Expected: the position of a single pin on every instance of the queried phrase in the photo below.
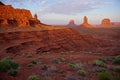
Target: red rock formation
(86, 24)
(85, 20)
(1, 3)
(35, 17)
(71, 23)
(106, 23)
(22, 17)
(57, 40)
(4, 22)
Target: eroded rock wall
(16, 17)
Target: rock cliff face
(71, 23)
(85, 23)
(57, 40)
(106, 23)
(16, 17)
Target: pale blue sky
(61, 11)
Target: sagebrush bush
(70, 77)
(82, 73)
(76, 66)
(44, 67)
(33, 62)
(58, 60)
(72, 52)
(12, 72)
(71, 65)
(53, 69)
(99, 63)
(116, 60)
(104, 76)
(33, 77)
(29, 55)
(117, 69)
(8, 65)
(31, 65)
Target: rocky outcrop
(85, 23)
(1, 3)
(71, 23)
(57, 40)
(16, 17)
(106, 23)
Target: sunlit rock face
(85, 20)
(85, 23)
(54, 41)
(106, 23)
(71, 23)
(15, 17)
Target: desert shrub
(40, 62)
(62, 59)
(99, 70)
(55, 60)
(14, 65)
(58, 60)
(31, 65)
(117, 69)
(82, 73)
(101, 59)
(116, 78)
(71, 65)
(33, 77)
(116, 60)
(72, 52)
(78, 66)
(40, 57)
(46, 73)
(53, 69)
(99, 63)
(62, 53)
(48, 53)
(44, 67)
(70, 77)
(61, 71)
(7, 64)
(74, 66)
(104, 76)
(47, 78)
(33, 62)
(29, 55)
(12, 72)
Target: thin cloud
(43, 3)
(30, 0)
(74, 6)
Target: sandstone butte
(71, 23)
(16, 17)
(106, 23)
(86, 24)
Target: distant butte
(106, 23)
(16, 17)
(71, 23)
(85, 23)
